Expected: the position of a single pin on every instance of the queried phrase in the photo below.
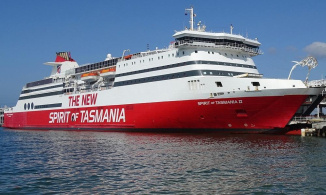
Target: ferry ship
(202, 81)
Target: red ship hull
(247, 114)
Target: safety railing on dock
(307, 119)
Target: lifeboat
(108, 72)
(89, 77)
(128, 57)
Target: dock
(306, 123)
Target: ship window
(218, 84)
(212, 52)
(255, 83)
(25, 106)
(173, 55)
(183, 53)
(209, 52)
(162, 57)
(196, 51)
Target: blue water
(45, 162)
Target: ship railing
(144, 54)
(307, 119)
(317, 83)
(79, 91)
(222, 45)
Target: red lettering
(89, 99)
(70, 100)
(93, 99)
(74, 100)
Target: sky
(32, 31)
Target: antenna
(192, 15)
(231, 29)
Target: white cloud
(316, 49)
(272, 50)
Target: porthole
(25, 106)
(32, 105)
(28, 106)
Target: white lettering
(100, 116)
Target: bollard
(303, 132)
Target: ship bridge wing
(226, 41)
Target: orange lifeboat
(108, 72)
(91, 76)
(128, 57)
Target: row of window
(40, 82)
(177, 54)
(39, 89)
(215, 41)
(185, 64)
(255, 84)
(41, 95)
(149, 59)
(177, 75)
(212, 52)
(195, 84)
(30, 106)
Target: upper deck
(222, 41)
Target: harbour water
(42, 162)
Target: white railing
(233, 46)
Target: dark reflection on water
(143, 163)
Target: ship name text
(82, 100)
(113, 115)
(206, 103)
